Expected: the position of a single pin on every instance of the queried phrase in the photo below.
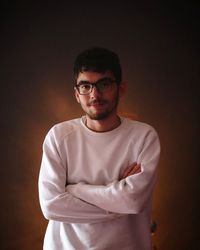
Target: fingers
(135, 170)
(131, 170)
(128, 170)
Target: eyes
(84, 86)
(102, 85)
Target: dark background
(157, 45)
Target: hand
(131, 170)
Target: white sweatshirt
(88, 208)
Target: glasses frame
(92, 85)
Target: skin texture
(101, 108)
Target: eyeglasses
(102, 85)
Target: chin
(98, 117)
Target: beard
(99, 116)
(110, 107)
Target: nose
(95, 92)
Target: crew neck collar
(83, 123)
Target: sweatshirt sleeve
(130, 195)
(56, 203)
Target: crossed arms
(85, 203)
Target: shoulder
(66, 126)
(140, 131)
(63, 129)
(143, 134)
(138, 126)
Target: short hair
(99, 60)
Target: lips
(96, 104)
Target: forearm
(67, 208)
(123, 197)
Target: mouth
(97, 104)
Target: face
(98, 105)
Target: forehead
(91, 76)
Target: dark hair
(98, 60)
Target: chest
(98, 161)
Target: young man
(98, 172)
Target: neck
(103, 125)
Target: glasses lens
(104, 85)
(84, 88)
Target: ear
(122, 89)
(76, 95)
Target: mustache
(97, 102)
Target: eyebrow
(102, 79)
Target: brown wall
(158, 50)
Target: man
(98, 172)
